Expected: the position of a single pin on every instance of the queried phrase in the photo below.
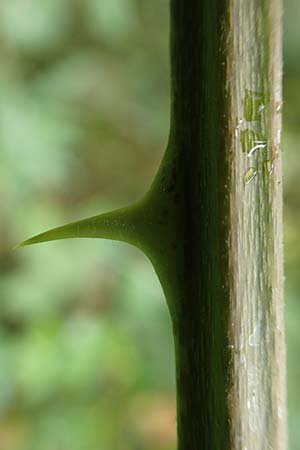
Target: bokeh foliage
(291, 142)
(86, 357)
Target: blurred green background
(86, 357)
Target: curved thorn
(117, 225)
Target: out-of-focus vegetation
(291, 146)
(86, 357)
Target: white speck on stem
(259, 145)
(254, 338)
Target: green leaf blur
(86, 358)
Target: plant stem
(197, 144)
(257, 396)
(211, 224)
(224, 143)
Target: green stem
(198, 151)
(211, 224)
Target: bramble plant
(211, 224)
